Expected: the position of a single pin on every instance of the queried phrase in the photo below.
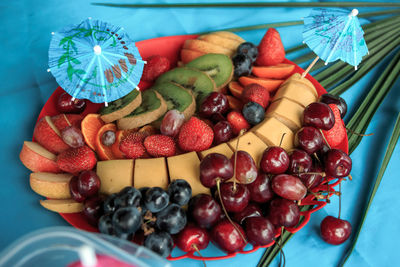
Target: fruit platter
(225, 142)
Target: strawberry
(195, 135)
(255, 93)
(155, 66)
(238, 122)
(337, 133)
(132, 145)
(270, 50)
(75, 160)
(159, 145)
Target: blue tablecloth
(26, 85)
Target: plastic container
(60, 246)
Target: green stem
(256, 4)
(385, 162)
(361, 119)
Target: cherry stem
(323, 174)
(323, 136)
(340, 198)
(226, 213)
(317, 158)
(66, 118)
(234, 166)
(359, 134)
(198, 251)
(280, 143)
(279, 244)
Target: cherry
(73, 189)
(227, 237)
(93, 210)
(259, 231)
(283, 212)
(337, 163)
(260, 190)
(65, 104)
(204, 210)
(246, 169)
(289, 187)
(215, 167)
(318, 115)
(88, 183)
(313, 179)
(275, 160)
(299, 161)
(251, 210)
(234, 199)
(192, 238)
(337, 100)
(214, 103)
(222, 132)
(335, 231)
(309, 139)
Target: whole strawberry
(159, 145)
(195, 135)
(75, 160)
(237, 121)
(132, 145)
(270, 50)
(155, 66)
(255, 93)
(337, 133)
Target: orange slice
(280, 71)
(270, 84)
(104, 152)
(236, 89)
(90, 126)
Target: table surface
(25, 87)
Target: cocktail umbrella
(95, 60)
(334, 34)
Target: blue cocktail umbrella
(335, 34)
(95, 60)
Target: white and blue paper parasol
(335, 34)
(95, 60)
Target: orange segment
(90, 126)
(104, 152)
(236, 89)
(270, 84)
(280, 71)
(234, 103)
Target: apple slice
(37, 159)
(51, 185)
(270, 84)
(48, 135)
(280, 71)
(63, 120)
(188, 55)
(62, 205)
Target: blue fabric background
(25, 86)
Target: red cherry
(275, 160)
(335, 231)
(259, 231)
(215, 166)
(226, 236)
(260, 190)
(252, 210)
(318, 115)
(283, 212)
(204, 210)
(337, 163)
(93, 210)
(88, 183)
(73, 189)
(246, 169)
(65, 104)
(214, 103)
(234, 200)
(192, 238)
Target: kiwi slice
(153, 107)
(121, 107)
(177, 97)
(200, 83)
(219, 67)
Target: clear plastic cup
(61, 246)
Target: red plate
(170, 47)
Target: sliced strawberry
(238, 122)
(270, 50)
(337, 133)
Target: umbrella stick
(309, 67)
